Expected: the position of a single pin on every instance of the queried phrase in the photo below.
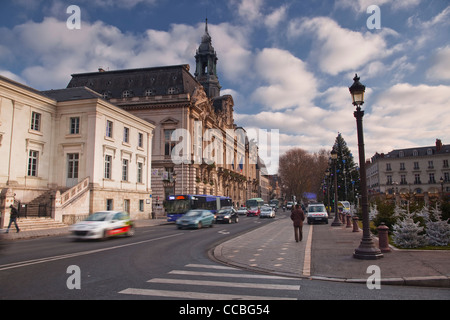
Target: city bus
(254, 202)
(274, 202)
(177, 205)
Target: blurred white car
(267, 212)
(242, 211)
(102, 225)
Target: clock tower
(206, 66)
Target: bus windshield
(255, 202)
(178, 205)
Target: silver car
(267, 212)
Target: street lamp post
(336, 222)
(367, 249)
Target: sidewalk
(13, 235)
(328, 256)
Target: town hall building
(171, 98)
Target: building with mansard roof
(171, 98)
(405, 174)
(68, 153)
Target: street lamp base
(336, 222)
(367, 251)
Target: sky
(288, 64)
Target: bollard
(383, 238)
(349, 222)
(355, 224)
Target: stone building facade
(404, 174)
(197, 147)
(73, 152)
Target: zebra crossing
(203, 281)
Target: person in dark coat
(297, 216)
(13, 218)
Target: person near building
(13, 218)
(298, 216)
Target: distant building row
(421, 172)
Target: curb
(431, 281)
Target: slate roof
(421, 152)
(71, 94)
(138, 82)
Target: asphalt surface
(254, 259)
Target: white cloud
(362, 5)
(352, 51)
(278, 15)
(49, 53)
(440, 70)
(249, 10)
(413, 115)
(289, 82)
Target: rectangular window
(140, 167)
(109, 129)
(75, 125)
(431, 178)
(388, 180)
(416, 165)
(141, 205)
(108, 166)
(109, 204)
(388, 167)
(33, 159)
(126, 206)
(124, 170)
(35, 121)
(140, 140)
(73, 161)
(417, 179)
(126, 135)
(169, 145)
(403, 179)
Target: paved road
(119, 268)
(164, 263)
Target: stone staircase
(29, 224)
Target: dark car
(227, 215)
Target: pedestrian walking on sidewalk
(13, 218)
(297, 216)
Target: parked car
(317, 212)
(227, 216)
(253, 211)
(242, 211)
(196, 219)
(102, 225)
(267, 212)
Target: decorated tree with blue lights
(347, 171)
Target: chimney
(438, 145)
(101, 69)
